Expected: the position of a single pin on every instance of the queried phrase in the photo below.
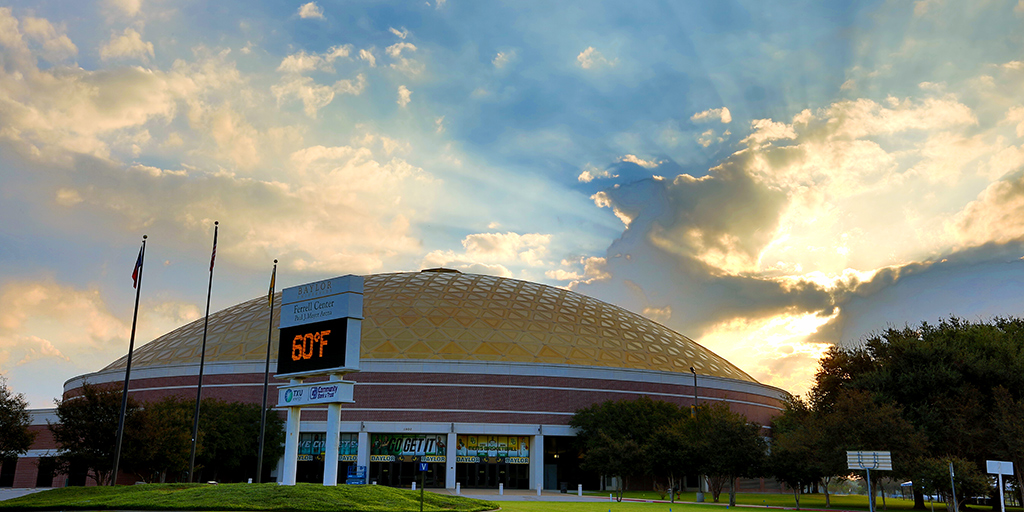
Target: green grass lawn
(519, 506)
(817, 501)
(254, 497)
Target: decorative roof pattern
(450, 315)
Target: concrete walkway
(7, 493)
(519, 495)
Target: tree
(86, 432)
(619, 438)
(158, 437)
(943, 379)
(14, 423)
(935, 479)
(229, 438)
(674, 452)
(1009, 429)
(797, 448)
(730, 447)
(865, 424)
(167, 438)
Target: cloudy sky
(766, 178)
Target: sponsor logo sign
(330, 392)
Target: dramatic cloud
(71, 109)
(315, 96)
(591, 173)
(404, 95)
(591, 59)
(810, 214)
(502, 59)
(402, 63)
(311, 10)
(494, 253)
(721, 114)
(341, 210)
(303, 62)
(367, 55)
(647, 164)
(131, 8)
(44, 324)
(127, 45)
(56, 46)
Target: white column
(449, 460)
(291, 446)
(537, 463)
(333, 443)
(363, 453)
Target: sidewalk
(7, 493)
(519, 495)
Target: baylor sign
(320, 327)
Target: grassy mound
(301, 497)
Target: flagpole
(137, 275)
(202, 361)
(266, 377)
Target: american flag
(137, 271)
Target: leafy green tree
(618, 438)
(158, 437)
(674, 452)
(942, 379)
(796, 448)
(14, 422)
(86, 432)
(730, 447)
(934, 476)
(865, 424)
(1009, 428)
(839, 369)
(229, 439)
(167, 439)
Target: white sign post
(320, 328)
(998, 467)
(867, 461)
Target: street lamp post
(693, 414)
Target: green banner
(313, 446)
(401, 445)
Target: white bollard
(579, 490)
(538, 490)
(501, 489)
(610, 497)
(458, 487)
(414, 485)
(250, 480)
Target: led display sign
(311, 347)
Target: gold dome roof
(467, 317)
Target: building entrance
(488, 475)
(313, 471)
(402, 474)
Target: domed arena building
(476, 375)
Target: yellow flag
(270, 296)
